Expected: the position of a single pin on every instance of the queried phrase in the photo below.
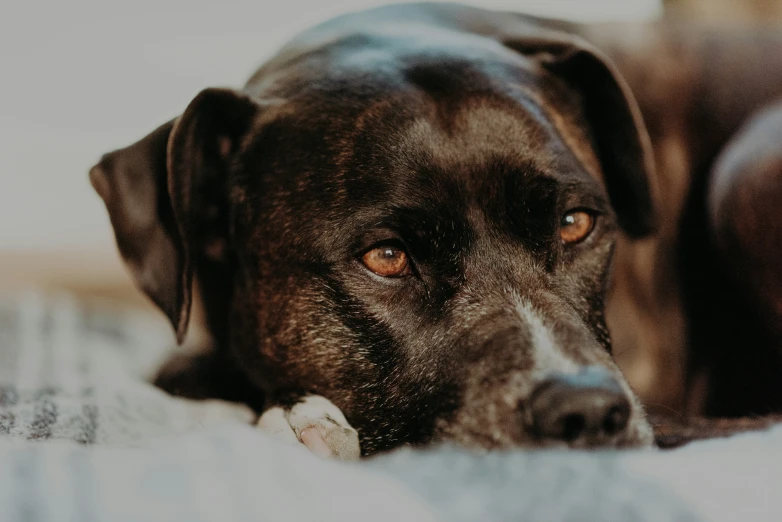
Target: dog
(417, 224)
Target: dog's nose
(583, 409)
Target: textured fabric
(83, 437)
(68, 371)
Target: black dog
(410, 211)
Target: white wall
(81, 77)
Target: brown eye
(387, 261)
(576, 226)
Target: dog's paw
(315, 422)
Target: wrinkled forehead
(479, 133)
(477, 145)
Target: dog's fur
(463, 135)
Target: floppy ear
(618, 131)
(166, 197)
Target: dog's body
(465, 145)
(705, 338)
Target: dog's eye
(387, 261)
(576, 226)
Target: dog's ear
(166, 196)
(618, 131)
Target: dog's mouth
(584, 410)
(575, 435)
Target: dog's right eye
(387, 261)
(576, 225)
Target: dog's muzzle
(585, 409)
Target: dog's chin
(481, 443)
(638, 435)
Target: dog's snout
(583, 409)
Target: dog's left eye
(576, 225)
(387, 261)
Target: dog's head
(419, 229)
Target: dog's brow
(417, 221)
(586, 192)
(426, 229)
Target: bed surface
(83, 437)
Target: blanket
(84, 437)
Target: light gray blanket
(83, 437)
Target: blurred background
(83, 77)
